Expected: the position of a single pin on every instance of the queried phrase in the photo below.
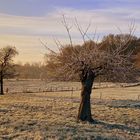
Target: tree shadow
(116, 126)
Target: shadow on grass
(116, 126)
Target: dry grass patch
(39, 116)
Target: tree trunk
(84, 113)
(1, 85)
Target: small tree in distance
(90, 60)
(6, 64)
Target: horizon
(23, 24)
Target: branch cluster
(6, 61)
(114, 61)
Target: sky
(23, 23)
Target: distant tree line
(31, 71)
(133, 45)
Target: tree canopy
(113, 58)
(6, 63)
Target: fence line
(71, 89)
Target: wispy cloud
(24, 32)
(51, 24)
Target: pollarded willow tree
(90, 60)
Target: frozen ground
(52, 115)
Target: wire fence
(43, 87)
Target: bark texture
(84, 113)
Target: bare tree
(6, 64)
(90, 60)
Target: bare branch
(68, 28)
(58, 43)
(82, 32)
(45, 45)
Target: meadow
(31, 111)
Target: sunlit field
(27, 112)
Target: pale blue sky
(24, 22)
(42, 7)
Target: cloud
(104, 19)
(24, 32)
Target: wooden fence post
(72, 96)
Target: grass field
(52, 115)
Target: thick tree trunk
(84, 113)
(1, 85)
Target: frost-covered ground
(52, 115)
